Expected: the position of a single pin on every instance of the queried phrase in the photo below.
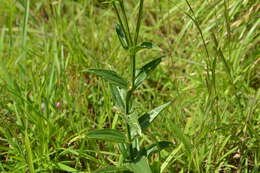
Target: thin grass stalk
(28, 152)
(25, 22)
(211, 67)
(227, 69)
(194, 19)
(220, 53)
(204, 44)
(227, 21)
(25, 28)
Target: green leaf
(114, 169)
(118, 96)
(132, 121)
(145, 45)
(111, 76)
(146, 70)
(121, 36)
(107, 135)
(66, 168)
(155, 148)
(140, 166)
(146, 119)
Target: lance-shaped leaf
(121, 36)
(111, 169)
(146, 119)
(107, 135)
(145, 45)
(140, 166)
(132, 121)
(146, 70)
(111, 76)
(155, 148)
(118, 96)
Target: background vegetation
(47, 104)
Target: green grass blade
(221, 55)
(111, 169)
(179, 134)
(25, 30)
(167, 161)
(67, 168)
(28, 152)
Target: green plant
(134, 157)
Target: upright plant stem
(129, 94)
(132, 43)
(133, 71)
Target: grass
(48, 105)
